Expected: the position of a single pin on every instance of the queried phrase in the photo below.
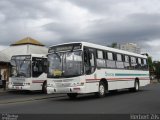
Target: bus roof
(101, 47)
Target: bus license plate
(17, 88)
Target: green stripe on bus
(121, 74)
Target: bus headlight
(50, 85)
(26, 83)
(77, 84)
(73, 84)
(11, 83)
(82, 83)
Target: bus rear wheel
(102, 90)
(72, 95)
(136, 87)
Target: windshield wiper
(21, 74)
(58, 56)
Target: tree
(114, 45)
(157, 69)
(150, 63)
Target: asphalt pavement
(147, 100)
(7, 97)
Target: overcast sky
(98, 21)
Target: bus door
(39, 66)
(89, 61)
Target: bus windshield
(20, 67)
(66, 64)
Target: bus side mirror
(12, 62)
(85, 56)
(90, 55)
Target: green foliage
(113, 45)
(157, 69)
(150, 63)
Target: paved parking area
(147, 100)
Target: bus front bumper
(11, 87)
(77, 89)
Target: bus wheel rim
(101, 89)
(137, 87)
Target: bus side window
(126, 62)
(145, 64)
(139, 64)
(133, 63)
(119, 62)
(110, 62)
(100, 59)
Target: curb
(30, 99)
(3, 91)
(154, 81)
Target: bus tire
(44, 87)
(136, 87)
(102, 90)
(72, 95)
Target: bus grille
(18, 84)
(63, 84)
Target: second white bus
(83, 67)
(28, 72)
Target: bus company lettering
(109, 74)
(18, 79)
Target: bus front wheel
(72, 95)
(102, 90)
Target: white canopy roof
(5, 55)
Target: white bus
(28, 72)
(83, 67)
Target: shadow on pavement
(91, 96)
(24, 92)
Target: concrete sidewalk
(30, 98)
(3, 91)
(154, 81)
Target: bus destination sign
(21, 57)
(61, 48)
